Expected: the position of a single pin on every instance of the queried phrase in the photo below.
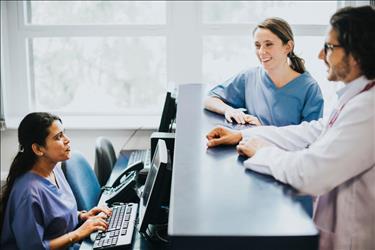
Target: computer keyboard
(121, 227)
(140, 155)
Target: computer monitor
(169, 114)
(156, 188)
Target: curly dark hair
(34, 128)
(356, 34)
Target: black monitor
(156, 189)
(169, 114)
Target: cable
(147, 235)
(158, 235)
(131, 136)
(160, 238)
(154, 235)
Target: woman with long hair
(279, 92)
(38, 209)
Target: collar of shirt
(351, 89)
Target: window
(95, 12)
(295, 12)
(118, 73)
(119, 57)
(97, 74)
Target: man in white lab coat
(332, 158)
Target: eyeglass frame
(328, 46)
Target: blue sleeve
(232, 91)
(314, 104)
(28, 225)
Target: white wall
(81, 140)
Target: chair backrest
(82, 181)
(105, 159)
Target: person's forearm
(64, 241)
(290, 138)
(216, 105)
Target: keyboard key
(96, 244)
(98, 236)
(101, 242)
(107, 242)
(124, 217)
(114, 240)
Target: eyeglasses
(328, 46)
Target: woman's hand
(237, 114)
(250, 147)
(240, 117)
(252, 120)
(106, 212)
(222, 136)
(92, 224)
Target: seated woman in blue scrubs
(38, 207)
(280, 92)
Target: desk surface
(214, 195)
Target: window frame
(184, 32)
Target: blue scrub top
(38, 211)
(297, 101)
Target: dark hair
(34, 128)
(356, 34)
(282, 30)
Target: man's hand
(222, 136)
(250, 147)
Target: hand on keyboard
(93, 224)
(104, 212)
(120, 228)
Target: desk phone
(123, 188)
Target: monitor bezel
(150, 209)
(169, 114)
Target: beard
(340, 71)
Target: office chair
(105, 159)
(82, 181)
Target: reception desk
(216, 203)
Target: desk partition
(216, 203)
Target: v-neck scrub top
(38, 211)
(297, 101)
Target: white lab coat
(336, 163)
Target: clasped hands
(223, 136)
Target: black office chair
(82, 181)
(105, 159)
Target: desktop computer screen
(169, 114)
(156, 189)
